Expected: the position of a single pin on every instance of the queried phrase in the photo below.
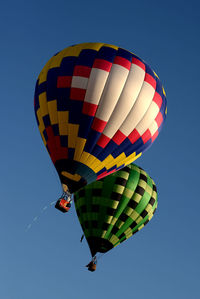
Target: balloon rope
(38, 216)
(99, 255)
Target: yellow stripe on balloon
(75, 177)
(43, 74)
(63, 118)
(80, 144)
(41, 125)
(130, 159)
(43, 104)
(73, 133)
(52, 107)
(114, 240)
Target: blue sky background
(47, 261)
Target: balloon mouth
(74, 175)
(98, 244)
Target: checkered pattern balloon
(98, 108)
(114, 208)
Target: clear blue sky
(162, 260)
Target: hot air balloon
(98, 107)
(114, 208)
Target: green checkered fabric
(114, 208)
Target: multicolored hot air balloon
(114, 208)
(98, 107)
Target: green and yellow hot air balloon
(114, 208)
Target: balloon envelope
(98, 107)
(114, 208)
